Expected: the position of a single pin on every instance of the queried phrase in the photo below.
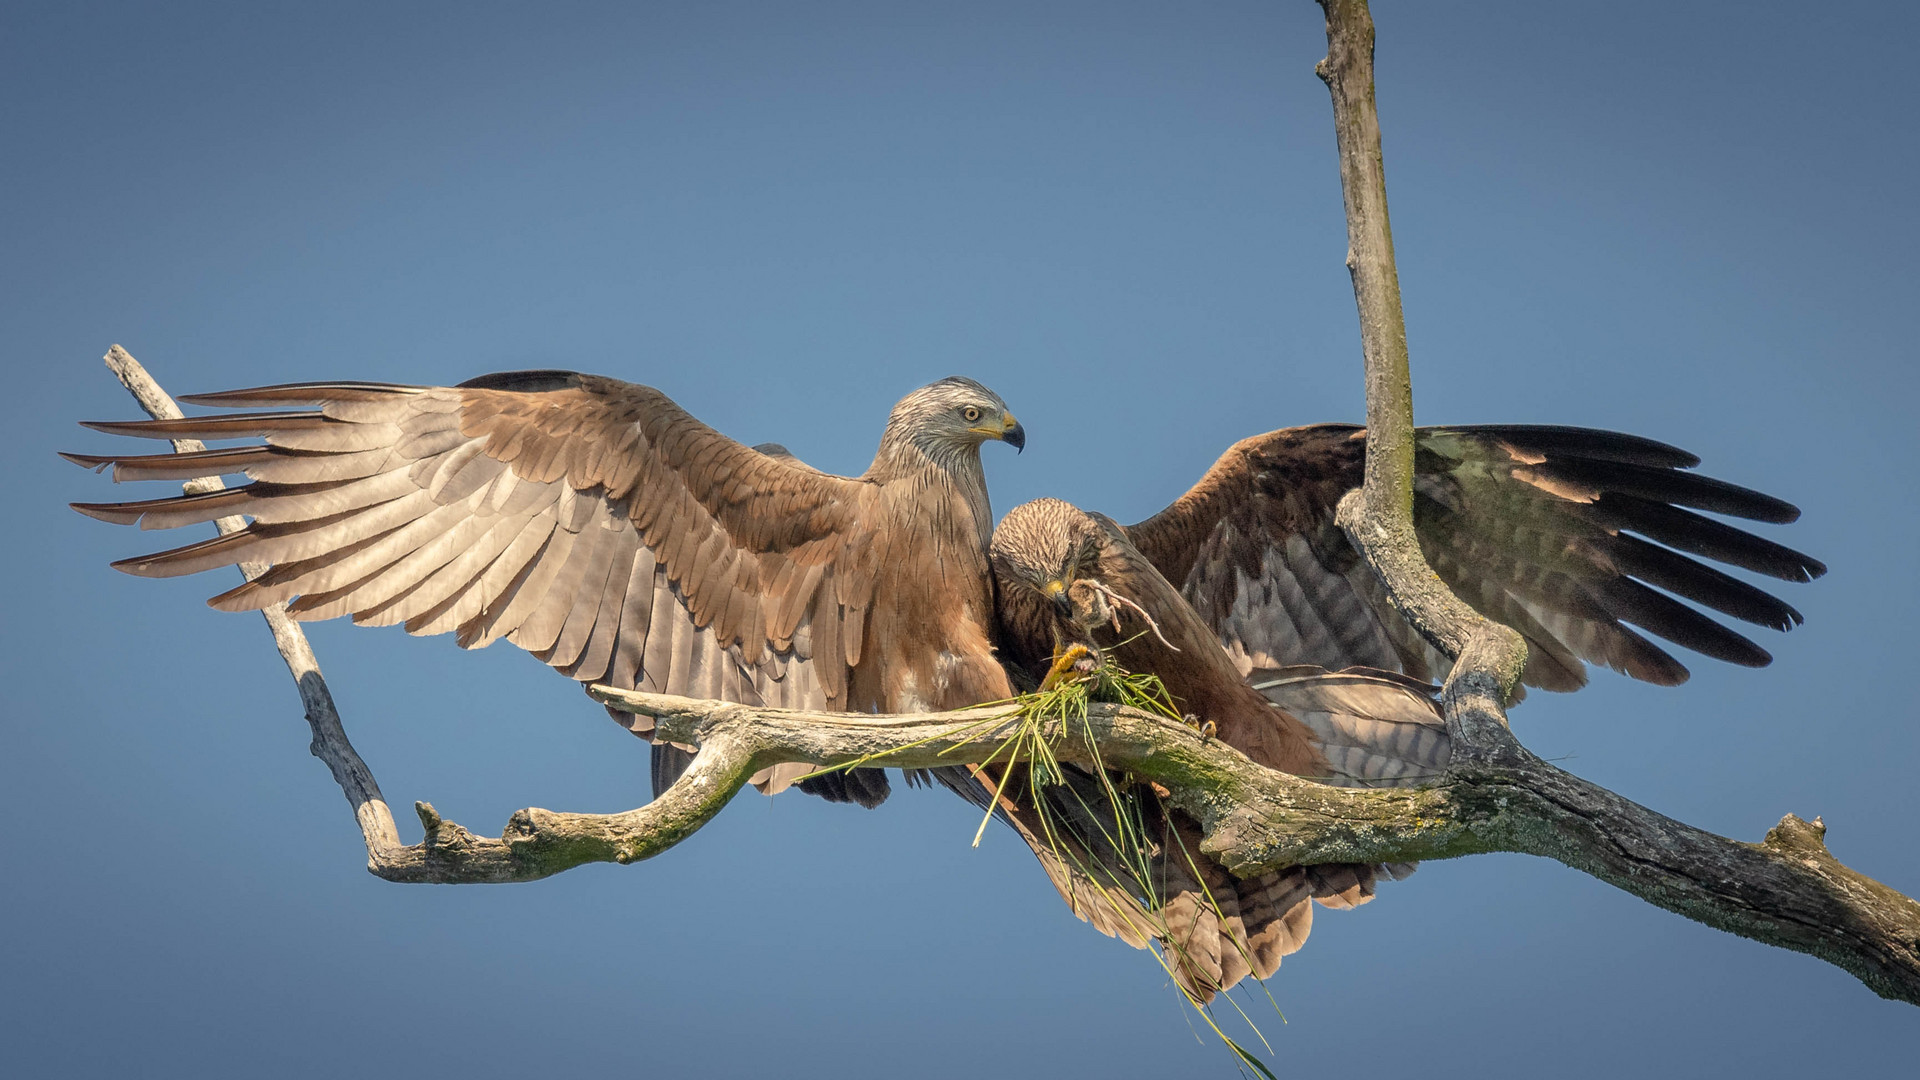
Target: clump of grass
(1098, 809)
(1117, 816)
(1058, 709)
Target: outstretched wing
(1565, 534)
(592, 522)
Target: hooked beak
(1056, 591)
(1009, 432)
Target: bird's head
(1052, 548)
(953, 414)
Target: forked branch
(1378, 518)
(1787, 891)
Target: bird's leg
(1067, 664)
(1206, 728)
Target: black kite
(1534, 526)
(600, 527)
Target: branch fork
(1787, 890)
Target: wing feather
(596, 654)
(1569, 535)
(586, 595)
(636, 619)
(563, 512)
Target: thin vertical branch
(1348, 73)
(1379, 518)
(330, 742)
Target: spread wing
(592, 522)
(1568, 535)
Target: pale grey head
(954, 414)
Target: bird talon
(1067, 664)
(1206, 728)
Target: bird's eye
(970, 413)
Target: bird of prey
(1533, 526)
(597, 525)
(1069, 582)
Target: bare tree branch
(1379, 517)
(329, 738)
(1787, 891)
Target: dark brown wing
(1565, 534)
(1153, 630)
(589, 521)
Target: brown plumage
(1065, 577)
(1554, 531)
(597, 525)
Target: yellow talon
(1063, 665)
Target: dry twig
(1787, 890)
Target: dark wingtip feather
(1697, 535)
(1556, 440)
(1645, 661)
(1701, 584)
(524, 381)
(176, 562)
(311, 393)
(1660, 614)
(121, 427)
(228, 426)
(1673, 486)
(87, 461)
(112, 513)
(1672, 673)
(138, 566)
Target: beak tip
(1056, 592)
(1016, 437)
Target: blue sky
(1693, 222)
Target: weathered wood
(1787, 890)
(1379, 517)
(330, 742)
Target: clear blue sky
(1694, 222)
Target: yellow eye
(970, 413)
